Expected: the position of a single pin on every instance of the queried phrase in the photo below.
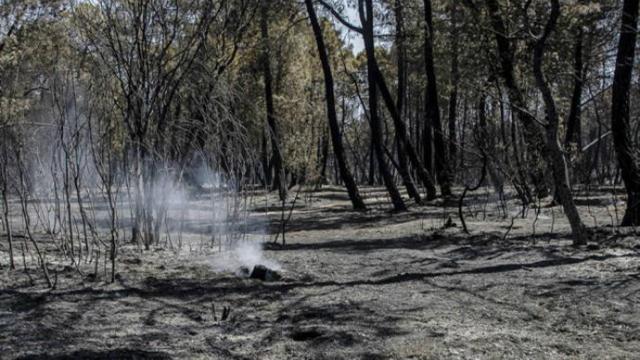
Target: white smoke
(245, 254)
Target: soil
(374, 285)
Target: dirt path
(355, 286)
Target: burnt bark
(432, 114)
(423, 174)
(336, 136)
(574, 123)
(279, 180)
(427, 146)
(4, 187)
(455, 79)
(626, 151)
(403, 166)
(553, 152)
(365, 8)
(532, 133)
(401, 130)
(264, 157)
(324, 154)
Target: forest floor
(375, 285)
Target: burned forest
(319, 179)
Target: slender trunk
(626, 152)
(400, 126)
(279, 179)
(574, 126)
(81, 207)
(336, 136)
(324, 156)
(375, 123)
(138, 181)
(553, 152)
(455, 79)
(5, 210)
(150, 217)
(23, 193)
(486, 142)
(427, 145)
(403, 166)
(372, 164)
(114, 234)
(532, 133)
(521, 176)
(67, 195)
(432, 107)
(266, 168)
(401, 130)
(503, 125)
(465, 113)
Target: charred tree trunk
(336, 136)
(138, 183)
(266, 168)
(532, 133)
(485, 140)
(324, 156)
(403, 166)
(432, 107)
(427, 145)
(279, 179)
(554, 154)
(401, 129)
(375, 123)
(455, 79)
(626, 152)
(574, 124)
(4, 187)
(372, 165)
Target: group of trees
(507, 44)
(113, 98)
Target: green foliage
(209, 83)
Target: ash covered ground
(375, 285)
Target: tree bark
(372, 164)
(401, 129)
(427, 145)
(375, 123)
(336, 137)
(266, 167)
(485, 139)
(574, 123)
(432, 114)
(455, 79)
(626, 152)
(279, 177)
(403, 166)
(324, 152)
(554, 154)
(5, 203)
(532, 133)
